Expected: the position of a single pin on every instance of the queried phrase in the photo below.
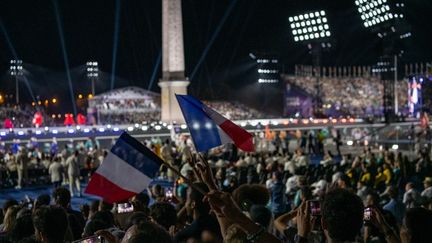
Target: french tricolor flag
(210, 129)
(126, 171)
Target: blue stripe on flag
(202, 128)
(137, 155)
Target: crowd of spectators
(235, 110)
(356, 96)
(22, 116)
(274, 195)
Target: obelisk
(173, 65)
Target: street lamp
(92, 73)
(16, 69)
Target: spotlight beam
(65, 56)
(155, 69)
(115, 43)
(215, 34)
(15, 56)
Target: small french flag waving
(210, 129)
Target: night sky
(253, 26)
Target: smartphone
(169, 193)
(125, 208)
(315, 207)
(367, 214)
(91, 239)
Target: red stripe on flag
(242, 139)
(110, 192)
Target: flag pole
(190, 183)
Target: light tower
(173, 79)
(92, 74)
(16, 69)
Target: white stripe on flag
(122, 174)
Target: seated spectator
(412, 197)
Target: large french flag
(210, 129)
(126, 171)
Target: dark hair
(260, 215)
(105, 216)
(9, 203)
(42, 200)
(143, 198)
(93, 226)
(105, 206)
(151, 233)
(136, 218)
(94, 206)
(61, 196)
(247, 195)
(393, 192)
(419, 224)
(197, 197)
(342, 212)
(52, 222)
(164, 214)
(22, 228)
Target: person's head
(260, 215)
(305, 193)
(10, 217)
(247, 195)
(94, 225)
(22, 228)
(85, 210)
(194, 201)
(393, 192)
(276, 176)
(427, 182)
(342, 215)
(157, 191)
(344, 182)
(147, 232)
(105, 206)
(137, 218)
(140, 202)
(409, 186)
(164, 214)
(94, 207)
(50, 223)
(41, 200)
(417, 226)
(372, 199)
(9, 203)
(61, 197)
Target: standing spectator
(22, 161)
(412, 197)
(395, 206)
(73, 169)
(56, 170)
(277, 191)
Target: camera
(314, 207)
(367, 214)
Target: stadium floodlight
(92, 73)
(16, 69)
(310, 26)
(374, 12)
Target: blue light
(116, 129)
(20, 133)
(38, 132)
(101, 129)
(86, 130)
(71, 131)
(54, 131)
(2, 134)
